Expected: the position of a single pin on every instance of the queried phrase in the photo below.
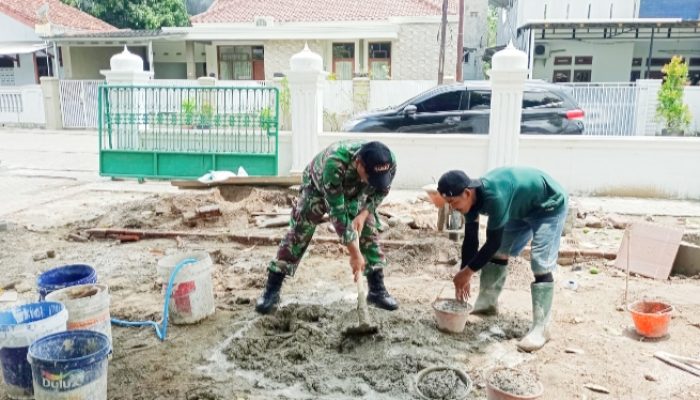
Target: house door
(258, 63)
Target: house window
(583, 60)
(582, 75)
(7, 62)
(660, 62)
(343, 60)
(241, 63)
(634, 76)
(561, 76)
(380, 60)
(637, 62)
(563, 60)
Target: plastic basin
(453, 319)
(651, 318)
(494, 393)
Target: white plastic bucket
(192, 297)
(88, 307)
(19, 328)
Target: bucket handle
(439, 295)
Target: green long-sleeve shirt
(333, 174)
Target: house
(604, 40)
(24, 54)
(243, 40)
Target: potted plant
(189, 107)
(265, 119)
(206, 115)
(671, 109)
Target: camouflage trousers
(307, 213)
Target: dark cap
(378, 163)
(452, 183)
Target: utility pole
(443, 33)
(459, 75)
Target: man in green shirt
(522, 204)
(348, 180)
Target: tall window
(380, 60)
(241, 62)
(343, 60)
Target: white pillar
(508, 76)
(306, 80)
(126, 69)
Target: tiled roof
(245, 11)
(59, 14)
(116, 34)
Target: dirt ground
(300, 353)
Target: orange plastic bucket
(434, 195)
(651, 318)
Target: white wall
(24, 75)
(692, 99)
(15, 31)
(611, 60)
(27, 105)
(628, 166)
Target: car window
(541, 100)
(479, 100)
(447, 101)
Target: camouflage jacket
(333, 175)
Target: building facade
(605, 40)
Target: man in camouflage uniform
(348, 180)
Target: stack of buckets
(58, 348)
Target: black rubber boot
(271, 296)
(377, 295)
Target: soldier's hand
(357, 261)
(462, 282)
(359, 222)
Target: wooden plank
(282, 181)
(652, 249)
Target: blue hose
(162, 329)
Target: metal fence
(183, 132)
(79, 98)
(610, 107)
(79, 103)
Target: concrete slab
(687, 260)
(650, 249)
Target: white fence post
(306, 79)
(507, 83)
(646, 124)
(52, 102)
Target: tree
(136, 14)
(671, 107)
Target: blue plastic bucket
(65, 276)
(70, 365)
(19, 328)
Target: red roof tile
(59, 14)
(242, 11)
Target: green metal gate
(184, 132)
